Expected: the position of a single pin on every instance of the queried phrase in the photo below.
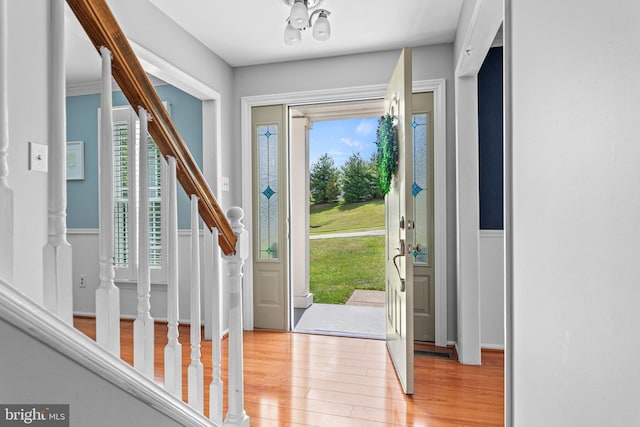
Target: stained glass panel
(268, 191)
(420, 188)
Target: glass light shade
(292, 35)
(299, 17)
(322, 29)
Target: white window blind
(126, 131)
(121, 193)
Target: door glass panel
(268, 191)
(420, 188)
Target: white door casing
(438, 87)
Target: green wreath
(387, 152)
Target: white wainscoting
(491, 273)
(84, 243)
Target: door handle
(401, 251)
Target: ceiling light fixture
(299, 20)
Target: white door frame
(476, 40)
(438, 87)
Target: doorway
(359, 316)
(336, 220)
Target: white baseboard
(492, 346)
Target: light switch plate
(225, 183)
(38, 157)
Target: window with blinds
(121, 193)
(126, 132)
(155, 205)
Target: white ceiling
(248, 32)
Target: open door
(399, 229)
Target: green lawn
(343, 217)
(338, 266)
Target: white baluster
(195, 370)
(216, 388)
(107, 294)
(173, 349)
(58, 287)
(143, 325)
(6, 194)
(236, 415)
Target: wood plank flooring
(316, 380)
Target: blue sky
(341, 138)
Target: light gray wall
(429, 62)
(28, 87)
(576, 212)
(32, 372)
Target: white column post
(57, 280)
(468, 220)
(173, 349)
(236, 415)
(196, 370)
(302, 296)
(6, 194)
(107, 294)
(143, 329)
(216, 388)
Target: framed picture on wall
(75, 160)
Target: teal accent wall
(82, 125)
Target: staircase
(225, 240)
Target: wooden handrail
(102, 28)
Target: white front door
(399, 229)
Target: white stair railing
(220, 234)
(107, 294)
(143, 335)
(6, 194)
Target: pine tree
(357, 180)
(324, 180)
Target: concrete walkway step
(366, 298)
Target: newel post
(236, 415)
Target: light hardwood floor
(316, 380)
